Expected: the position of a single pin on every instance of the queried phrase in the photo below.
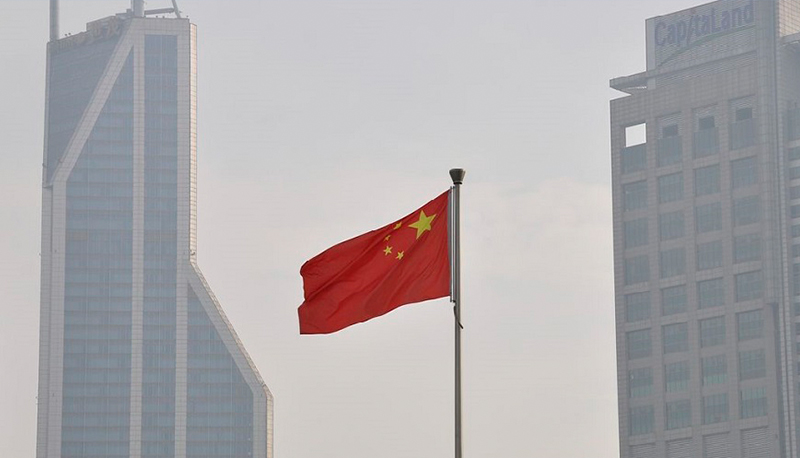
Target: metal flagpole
(455, 289)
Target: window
(670, 149)
(710, 293)
(796, 230)
(750, 325)
(705, 138)
(633, 158)
(712, 331)
(794, 153)
(676, 377)
(706, 180)
(673, 300)
(634, 195)
(747, 248)
(715, 408)
(708, 217)
(635, 134)
(746, 211)
(794, 192)
(670, 188)
(673, 262)
(744, 172)
(640, 382)
(637, 270)
(641, 420)
(743, 114)
(679, 414)
(675, 338)
(743, 130)
(709, 255)
(795, 279)
(753, 402)
(705, 123)
(752, 365)
(748, 286)
(714, 369)
(636, 233)
(637, 306)
(639, 344)
(670, 225)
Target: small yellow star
(387, 251)
(423, 224)
(400, 254)
(398, 226)
(386, 239)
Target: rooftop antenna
(177, 11)
(53, 20)
(138, 8)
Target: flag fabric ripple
(370, 275)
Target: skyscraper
(706, 179)
(137, 358)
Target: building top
(695, 36)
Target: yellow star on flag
(400, 255)
(423, 224)
(398, 226)
(387, 251)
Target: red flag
(370, 275)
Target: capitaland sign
(100, 30)
(674, 34)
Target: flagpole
(455, 291)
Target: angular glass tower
(137, 358)
(706, 179)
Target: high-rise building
(706, 179)
(137, 358)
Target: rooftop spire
(53, 20)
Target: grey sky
(320, 120)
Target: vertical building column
(56, 345)
(183, 241)
(137, 295)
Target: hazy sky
(320, 120)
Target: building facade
(137, 358)
(706, 179)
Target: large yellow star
(423, 224)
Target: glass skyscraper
(137, 358)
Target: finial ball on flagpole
(457, 175)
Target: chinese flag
(370, 275)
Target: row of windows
(713, 371)
(675, 337)
(672, 263)
(708, 218)
(671, 226)
(669, 148)
(705, 141)
(92, 448)
(104, 434)
(744, 173)
(715, 409)
(709, 255)
(674, 299)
